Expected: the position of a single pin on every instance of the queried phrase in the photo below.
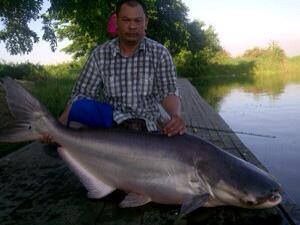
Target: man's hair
(132, 3)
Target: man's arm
(86, 86)
(169, 95)
(63, 118)
(176, 125)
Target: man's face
(132, 23)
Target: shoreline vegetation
(52, 84)
(271, 60)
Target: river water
(270, 113)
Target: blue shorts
(91, 113)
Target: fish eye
(274, 198)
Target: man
(135, 74)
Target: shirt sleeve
(88, 82)
(166, 79)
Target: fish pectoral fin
(96, 188)
(134, 200)
(193, 202)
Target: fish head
(250, 187)
(225, 194)
(235, 182)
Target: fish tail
(32, 119)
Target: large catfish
(183, 170)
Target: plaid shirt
(132, 85)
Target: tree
(84, 23)
(197, 36)
(168, 24)
(15, 16)
(212, 41)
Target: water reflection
(213, 89)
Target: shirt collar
(116, 47)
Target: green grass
(51, 84)
(294, 64)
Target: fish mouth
(264, 202)
(274, 198)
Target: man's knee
(90, 113)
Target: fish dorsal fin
(96, 188)
(134, 200)
(193, 202)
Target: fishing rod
(165, 117)
(229, 131)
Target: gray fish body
(150, 167)
(149, 164)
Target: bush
(193, 65)
(22, 70)
(65, 69)
(273, 52)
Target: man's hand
(171, 105)
(175, 126)
(47, 139)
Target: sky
(244, 24)
(240, 25)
